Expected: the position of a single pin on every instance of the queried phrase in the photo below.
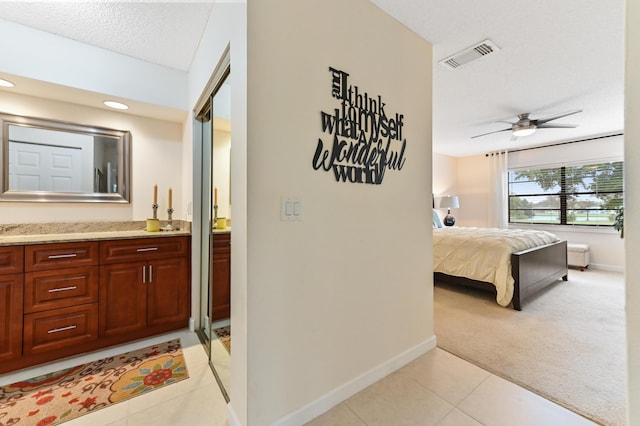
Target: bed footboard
(536, 268)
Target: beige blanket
(484, 254)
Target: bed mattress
(484, 254)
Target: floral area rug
(57, 397)
(224, 336)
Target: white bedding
(484, 254)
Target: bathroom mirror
(45, 160)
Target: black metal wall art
(363, 141)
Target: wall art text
(362, 141)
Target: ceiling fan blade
(557, 126)
(555, 117)
(497, 131)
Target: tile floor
(441, 389)
(435, 389)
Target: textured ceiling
(555, 56)
(158, 32)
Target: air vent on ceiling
(470, 54)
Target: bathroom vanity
(68, 294)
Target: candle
(215, 195)
(170, 194)
(155, 194)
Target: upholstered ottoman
(578, 255)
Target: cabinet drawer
(143, 249)
(11, 259)
(222, 241)
(60, 255)
(60, 288)
(60, 328)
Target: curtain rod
(561, 143)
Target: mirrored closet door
(214, 127)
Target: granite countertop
(60, 233)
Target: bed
(513, 263)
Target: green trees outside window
(583, 194)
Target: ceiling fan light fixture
(524, 130)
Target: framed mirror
(45, 160)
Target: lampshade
(449, 202)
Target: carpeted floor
(63, 395)
(568, 343)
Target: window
(579, 194)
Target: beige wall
(445, 175)
(632, 205)
(344, 296)
(156, 151)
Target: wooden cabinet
(144, 286)
(60, 296)
(11, 293)
(62, 299)
(221, 276)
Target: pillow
(437, 222)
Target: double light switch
(291, 209)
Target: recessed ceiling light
(6, 83)
(116, 105)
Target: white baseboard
(346, 390)
(610, 268)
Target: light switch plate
(291, 209)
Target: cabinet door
(221, 277)
(123, 298)
(10, 316)
(168, 292)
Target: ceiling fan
(525, 126)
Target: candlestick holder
(215, 214)
(169, 226)
(153, 225)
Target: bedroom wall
(344, 296)
(632, 205)
(445, 175)
(466, 177)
